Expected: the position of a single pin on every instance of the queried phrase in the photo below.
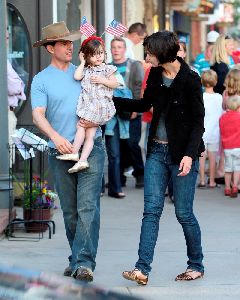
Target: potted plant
(39, 201)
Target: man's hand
(185, 165)
(62, 145)
(86, 124)
(98, 79)
(133, 115)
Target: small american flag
(116, 28)
(86, 28)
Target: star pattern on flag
(116, 28)
(86, 28)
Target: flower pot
(37, 214)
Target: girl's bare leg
(212, 167)
(79, 138)
(88, 143)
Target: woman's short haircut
(163, 44)
(209, 78)
(233, 102)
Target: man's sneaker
(71, 156)
(80, 165)
(67, 272)
(84, 274)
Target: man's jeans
(79, 195)
(113, 151)
(158, 171)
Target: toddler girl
(95, 103)
(230, 134)
(232, 85)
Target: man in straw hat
(54, 96)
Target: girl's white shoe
(80, 165)
(71, 156)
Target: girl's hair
(232, 82)
(233, 102)
(219, 52)
(163, 44)
(91, 48)
(209, 78)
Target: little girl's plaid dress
(95, 102)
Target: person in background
(132, 73)
(221, 62)
(232, 85)
(135, 35)
(174, 145)
(202, 61)
(211, 137)
(54, 96)
(15, 94)
(230, 135)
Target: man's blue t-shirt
(58, 92)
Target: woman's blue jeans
(79, 195)
(158, 171)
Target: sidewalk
(120, 227)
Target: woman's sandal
(132, 275)
(189, 275)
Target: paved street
(120, 226)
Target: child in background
(211, 137)
(95, 103)
(230, 134)
(232, 84)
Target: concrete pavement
(120, 228)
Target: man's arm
(39, 119)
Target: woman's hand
(185, 166)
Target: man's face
(136, 38)
(62, 51)
(118, 50)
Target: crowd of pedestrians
(76, 107)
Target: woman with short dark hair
(174, 145)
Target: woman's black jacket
(183, 105)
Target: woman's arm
(125, 104)
(197, 115)
(78, 75)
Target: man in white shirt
(135, 35)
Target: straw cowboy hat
(57, 32)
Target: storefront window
(19, 48)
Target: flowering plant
(41, 196)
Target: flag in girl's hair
(116, 28)
(86, 28)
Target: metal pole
(4, 159)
